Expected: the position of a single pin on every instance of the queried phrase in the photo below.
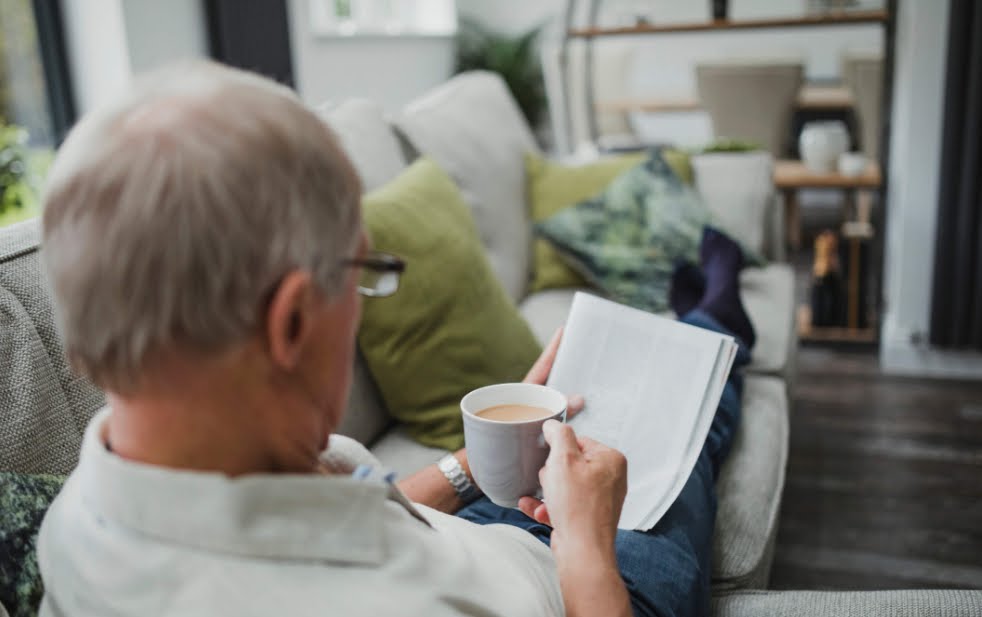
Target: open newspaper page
(651, 386)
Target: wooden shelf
(827, 19)
(825, 97)
(791, 174)
(649, 105)
(810, 97)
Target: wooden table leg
(792, 218)
(849, 205)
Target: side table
(791, 175)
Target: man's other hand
(583, 484)
(539, 373)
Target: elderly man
(204, 243)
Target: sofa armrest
(903, 603)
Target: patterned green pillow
(23, 501)
(627, 240)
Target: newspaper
(651, 386)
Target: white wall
(110, 40)
(160, 32)
(391, 70)
(95, 35)
(915, 156)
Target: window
(29, 127)
(383, 17)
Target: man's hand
(584, 483)
(539, 373)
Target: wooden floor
(884, 480)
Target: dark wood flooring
(884, 479)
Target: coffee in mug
(514, 413)
(503, 436)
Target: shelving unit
(589, 32)
(827, 19)
(810, 97)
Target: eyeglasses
(380, 273)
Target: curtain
(252, 35)
(956, 304)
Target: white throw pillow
(474, 130)
(737, 187)
(367, 139)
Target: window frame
(54, 60)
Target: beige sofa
(471, 127)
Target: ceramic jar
(821, 143)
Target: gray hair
(170, 216)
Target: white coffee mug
(505, 457)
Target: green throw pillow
(23, 501)
(451, 327)
(553, 187)
(627, 240)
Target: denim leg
(668, 569)
(484, 512)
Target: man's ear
(288, 318)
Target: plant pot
(820, 145)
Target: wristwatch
(454, 473)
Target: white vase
(821, 143)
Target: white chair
(751, 101)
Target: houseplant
(16, 183)
(514, 58)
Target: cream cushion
(737, 189)
(768, 296)
(474, 130)
(367, 139)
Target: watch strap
(452, 470)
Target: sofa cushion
(404, 455)
(367, 139)
(895, 603)
(24, 499)
(749, 488)
(451, 327)
(375, 151)
(365, 418)
(473, 129)
(737, 189)
(545, 311)
(768, 294)
(44, 407)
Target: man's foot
(687, 289)
(722, 261)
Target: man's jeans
(667, 569)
